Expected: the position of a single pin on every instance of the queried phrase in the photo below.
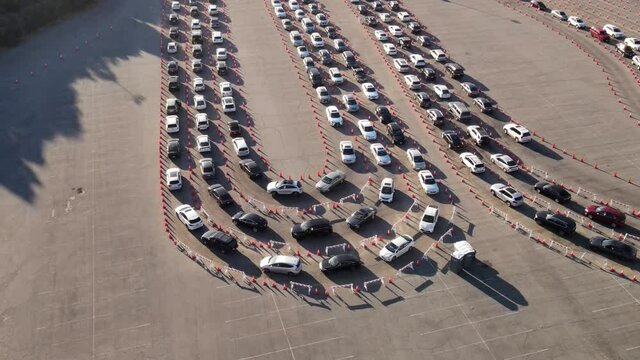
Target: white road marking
(286, 336)
(435, 310)
(527, 354)
(288, 328)
(484, 341)
(346, 357)
(292, 348)
(241, 300)
(470, 323)
(613, 307)
(624, 326)
(633, 348)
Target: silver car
(281, 264)
(507, 194)
(330, 180)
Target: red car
(598, 33)
(605, 214)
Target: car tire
(539, 222)
(290, 273)
(266, 271)
(255, 229)
(557, 200)
(508, 203)
(539, 191)
(590, 217)
(561, 232)
(493, 193)
(613, 225)
(235, 222)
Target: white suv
(518, 132)
(477, 133)
(507, 194)
(285, 187)
(473, 162)
(189, 217)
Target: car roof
(400, 240)
(431, 210)
(316, 222)
(293, 260)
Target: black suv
(311, 227)
(222, 196)
(250, 220)
(331, 32)
(553, 191)
(452, 139)
(383, 114)
(395, 132)
(174, 83)
(555, 222)
(359, 74)
(454, 69)
(173, 32)
(234, 128)
(172, 67)
(251, 168)
(369, 21)
(415, 27)
(314, 76)
(217, 240)
(429, 73)
(173, 148)
(423, 99)
(350, 59)
(404, 42)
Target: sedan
(330, 180)
(203, 143)
(470, 88)
(198, 84)
(172, 47)
(383, 114)
(347, 153)
(559, 14)
(218, 240)
(436, 116)
(339, 45)
(251, 220)
(226, 89)
(367, 130)
(333, 116)
(316, 40)
(302, 51)
(199, 103)
(429, 219)
(417, 60)
(207, 169)
(507, 194)
(633, 43)
(396, 248)
(553, 191)
(240, 146)
(285, 187)
(613, 247)
(577, 22)
(350, 103)
(395, 30)
(220, 194)
(442, 91)
(453, 139)
(390, 49)
(174, 179)
(189, 217)
(381, 35)
(605, 214)
(416, 159)
(361, 216)
(505, 162)
(280, 13)
(370, 91)
(323, 94)
(380, 154)
(251, 168)
(428, 182)
(342, 261)
(438, 55)
(282, 264)
(387, 189)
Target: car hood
(296, 229)
(432, 187)
(384, 253)
(265, 261)
(354, 220)
(271, 186)
(324, 264)
(427, 226)
(320, 185)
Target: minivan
(459, 111)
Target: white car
(216, 37)
(401, 65)
(323, 94)
(416, 159)
(202, 121)
(199, 103)
(198, 84)
(175, 5)
(412, 82)
(438, 55)
(293, 5)
(333, 116)
(240, 146)
(285, 187)
(195, 24)
(518, 132)
(577, 22)
(478, 134)
(634, 43)
(203, 143)
(322, 19)
(174, 179)
(189, 216)
(367, 130)
(505, 162)
(403, 16)
(172, 47)
(302, 51)
(370, 91)
(336, 76)
(350, 103)
(559, 14)
(299, 14)
(347, 152)
(387, 189)
(428, 182)
(613, 31)
(316, 40)
(276, 3)
(636, 61)
(429, 219)
(221, 54)
(396, 248)
(213, 9)
(442, 91)
(280, 13)
(281, 264)
(380, 154)
(473, 162)
(390, 49)
(395, 30)
(228, 104)
(385, 17)
(507, 194)
(381, 35)
(296, 38)
(171, 124)
(417, 60)
(226, 89)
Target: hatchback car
(553, 191)
(251, 220)
(605, 214)
(281, 264)
(313, 227)
(341, 261)
(473, 162)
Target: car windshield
(429, 180)
(334, 261)
(327, 179)
(387, 190)
(368, 128)
(444, 91)
(335, 114)
(324, 93)
(525, 134)
(510, 163)
(391, 247)
(348, 151)
(381, 152)
(428, 218)
(418, 159)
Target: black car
(423, 99)
(342, 261)
(218, 240)
(485, 105)
(424, 41)
(394, 6)
(251, 168)
(340, 45)
(362, 9)
(404, 42)
(349, 59)
(314, 76)
(173, 32)
(359, 74)
(395, 132)
(613, 247)
(361, 216)
(428, 73)
(376, 6)
(173, 82)
(311, 227)
(331, 32)
(452, 139)
(383, 114)
(555, 222)
(172, 67)
(234, 128)
(173, 19)
(369, 21)
(221, 67)
(250, 220)
(222, 196)
(415, 27)
(454, 69)
(173, 148)
(553, 191)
